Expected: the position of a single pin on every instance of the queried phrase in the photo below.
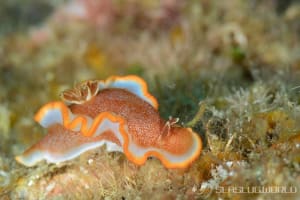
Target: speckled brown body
(143, 121)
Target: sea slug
(118, 112)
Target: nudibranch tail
(118, 112)
(61, 144)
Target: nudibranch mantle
(118, 112)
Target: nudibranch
(118, 112)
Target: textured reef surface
(227, 69)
